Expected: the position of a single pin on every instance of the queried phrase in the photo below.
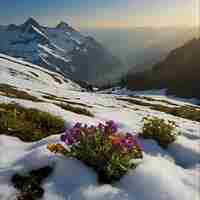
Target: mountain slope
(61, 49)
(163, 174)
(179, 73)
(29, 77)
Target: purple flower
(126, 143)
(100, 126)
(76, 133)
(69, 140)
(63, 137)
(129, 135)
(111, 127)
(77, 125)
(114, 129)
(110, 123)
(134, 139)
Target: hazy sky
(102, 13)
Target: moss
(134, 101)
(187, 112)
(75, 109)
(63, 100)
(28, 185)
(12, 92)
(154, 100)
(28, 124)
(50, 97)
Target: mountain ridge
(61, 49)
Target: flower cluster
(160, 130)
(123, 142)
(126, 143)
(101, 147)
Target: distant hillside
(140, 48)
(179, 73)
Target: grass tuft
(186, 112)
(29, 185)
(75, 109)
(12, 92)
(28, 124)
(160, 130)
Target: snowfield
(171, 174)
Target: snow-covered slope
(27, 76)
(170, 174)
(61, 49)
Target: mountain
(178, 73)
(61, 49)
(15, 73)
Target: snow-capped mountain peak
(63, 25)
(61, 49)
(31, 22)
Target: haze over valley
(140, 48)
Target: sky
(102, 13)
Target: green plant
(29, 185)
(12, 92)
(28, 124)
(109, 153)
(186, 112)
(75, 109)
(163, 131)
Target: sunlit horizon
(104, 14)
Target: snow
(191, 149)
(156, 177)
(155, 94)
(163, 174)
(159, 179)
(43, 82)
(50, 51)
(38, 31)
(42, 42)
(23, 63)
